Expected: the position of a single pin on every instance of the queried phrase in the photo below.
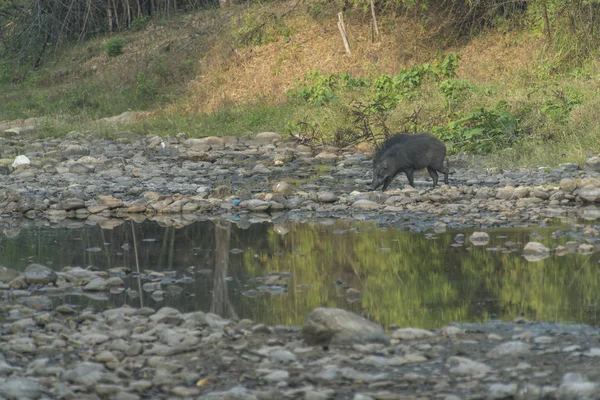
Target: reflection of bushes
(420, 282)
(405, 279)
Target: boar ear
(384, 164)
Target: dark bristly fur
(390, 142)
(408, 153)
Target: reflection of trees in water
(220, 303)
(404, 278)
(137, 264)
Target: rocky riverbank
(84, 177)
(129, 354)
(62, 352)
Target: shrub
(481, 131)
(258, 28)
(139, 22)
(114, 46)
(318, 89)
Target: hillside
(243, 69)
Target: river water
(276, 274)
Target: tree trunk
(342, 29)
(128, 13)
(546, 23)
(88, 9)
(374, 19)
(109, 15)
(116, 13)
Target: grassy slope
(200, 73)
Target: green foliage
(257, 117)
(140, 22)
(318, 89)
(447, 67)
(256, 28)
(391, 90)
(559, 106)
(6, 72)
(114, 46)
(368, 103)
(481, 131)
(454, 91)
(79, 99)
(387, 91)
(147, 90)
(317, 8)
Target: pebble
(513, 349)
(21, 389)
(411, 333)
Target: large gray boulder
(325, 326)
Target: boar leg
(446, 171)
(410, 175)
(440, 167)
(434, 175)
(386, 182)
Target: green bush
(360, 108)
(147, 88)
(318, 89)
(114, 46)
(481, 131)
(559, 106)
(454, 92)
(259, 28)
(139, 22)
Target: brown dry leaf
(204, 381)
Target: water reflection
(276, 274)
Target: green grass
(85, 99)
(228, 121)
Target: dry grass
(238, 76)
(269, 70)
(498, 57)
